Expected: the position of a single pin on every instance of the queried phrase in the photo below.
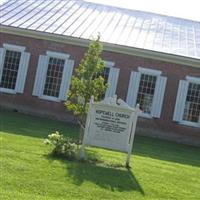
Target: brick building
(150, 59)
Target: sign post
(110, 124)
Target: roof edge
(186, 61)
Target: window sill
(145, 115)
(191, 124)
(6, 90)
(49, 98)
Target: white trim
(145, 115)
(22, 72)
(14, 47)
(149, 71)
(159, 91)
(188, 123)
(109, 64)
(192, 79)
(2, 58)
(49, 98)
(65, 80)
(133, 87)
(57, 55)
(40, 75)
(181, 101)
(158, 97)
(183, 60)
(112, 81)
(22, 69)
(7, 90)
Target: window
(146, 92)
(10, 69)
(105, 74)
(13, 68)
(146, 88)
(192, 104)
(187, 108)
(53, 76)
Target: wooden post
(82, 149)
(137, 109)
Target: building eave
(186, 61)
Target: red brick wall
(163, 127)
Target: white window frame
(147, 71)
(58, 55)
(195, 80)
(192, 79)
(49, 98)
(15, 48)
(109, 64)
(132, 97)
(67, 68)
(152, 72)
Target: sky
(188, 9)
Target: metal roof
(81, 19)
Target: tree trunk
(81, 132)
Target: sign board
(110, 124)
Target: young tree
(87, 82)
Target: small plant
(63, 146)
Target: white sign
(110, 124)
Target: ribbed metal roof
(81, 19)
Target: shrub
(63, 146)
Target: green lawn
(160, 169)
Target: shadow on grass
(21, 124)
(107, 178)
(166, 150)
(110, 178)
(26, 125)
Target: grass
(160, 169)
